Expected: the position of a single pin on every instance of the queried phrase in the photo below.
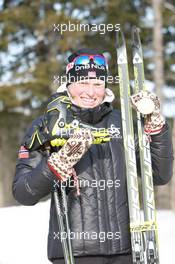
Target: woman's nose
(90, 90)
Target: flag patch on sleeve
(23, 153)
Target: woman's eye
(98, 85)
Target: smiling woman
(99, 210)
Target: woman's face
(87, 93)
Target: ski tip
(136, 37)
(120, 39)
(135, 29)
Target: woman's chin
(88, 105)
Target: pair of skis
(143, 226)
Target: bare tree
(173, 179)
(163, 193)
(158, 47)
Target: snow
(23, 234)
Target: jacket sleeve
(161, 148)
(162, 156)
(33, 179)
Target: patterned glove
(61, 163)
(148, 104)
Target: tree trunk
(173, 179)
(163, 193)
(158, 74)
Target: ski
(130, 154)
(144, 239)
(150, 230)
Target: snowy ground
(23, 234)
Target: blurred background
(33, 54)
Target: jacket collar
(92, 115)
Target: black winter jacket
(99, 216)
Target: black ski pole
(65, 208)
(67, 249)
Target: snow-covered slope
(23, 234)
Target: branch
(169, 6)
